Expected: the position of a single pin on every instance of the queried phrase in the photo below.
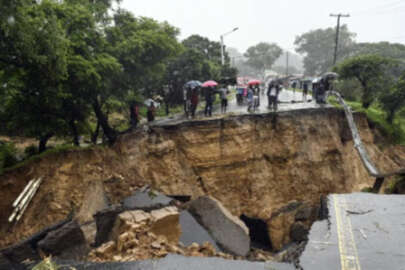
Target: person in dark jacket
(321, 92)
(272, 95)
(134, 114)
(209, 100)
(305, 92)
(151, 112)
(194, 101)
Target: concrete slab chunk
(229, 231)
(146, 200)
(193, 232)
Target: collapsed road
(271, 171)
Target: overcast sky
(277, 21)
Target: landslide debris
(252, 165)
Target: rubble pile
(139, 235)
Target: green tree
(200, 59)
(211, 50)
(384, 49)
(392, 101)
(262, 56)
(89, 62)
(370, 71)
(33, 51)
(318, 46)
(143, 46)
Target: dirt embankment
(252, 164)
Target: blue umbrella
(192, 84)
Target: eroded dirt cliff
(253, 164)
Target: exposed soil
(252, 164)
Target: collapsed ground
(255, 165)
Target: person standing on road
(256, 98)
(224, 99)
(272, 95)
(151, 112)
(209, 100)
(305, 92)
(239, 96)
(134, 114)
(250, 98)
(294, 85)
(194, 101)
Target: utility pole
(287, 64)
(337, 33)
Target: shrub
(30, 151)
(7, 155)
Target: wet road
(288, 101)
(365, 231)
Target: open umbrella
(209, 83)
(192, 84)
(254, 82)
(149, 101)
(329, 75)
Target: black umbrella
(330, 75)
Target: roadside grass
(395, 131)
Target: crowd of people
(250, 96)
(192, 95)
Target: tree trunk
(75, 133)
(167, 107)
(390, 117)
(94, 135)
(365, 100)
(43, 140)
(102, 119)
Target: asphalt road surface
(288, 101)
(364, 231)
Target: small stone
(156, 245)
(135, 227)
(152, 235)
(208, 249)
(261, 257)
(117, 258)
(193, 247)
(105, 249)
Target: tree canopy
(65, 63)
(318, 47)
(262, 56)
(64, 60)
(371, 73)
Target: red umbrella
(209, 83)
(254, 82)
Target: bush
(7, 155)
(350, 89)
(30, 151)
